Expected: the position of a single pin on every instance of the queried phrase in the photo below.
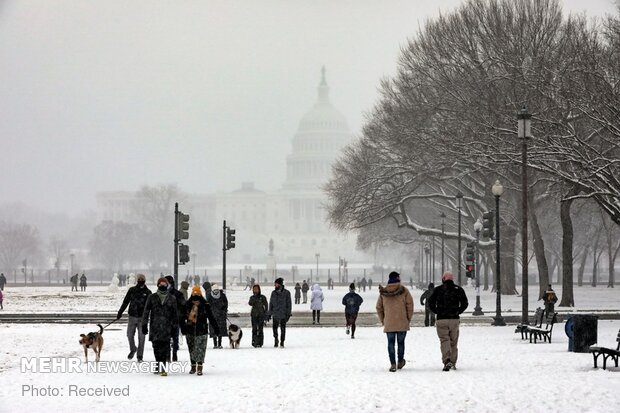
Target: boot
(199, 369)
(214, 342)
(275, 342)
(393, 368)
(193, 370)
(401, 364)
(219, 342)
(174, 356)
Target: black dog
(234, 335)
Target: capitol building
(293, 216)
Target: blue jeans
(399, 337)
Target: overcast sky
(110, 95)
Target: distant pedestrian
(370, 284)
(162, 319)
(395, 310)
(364, 284)
(280, 309)
(429, 316)
(185, 290)
(74, 282)
(330, 283)
(316, 303)
(304, 291)
(448, 301)
(297, 293)
(1, 300)
(2, 281)
(135, 298)
(411, 282)
(219, 306)
(83, 282)
(258, 302)
(351, 302)
(247, 284)
(550, 298)
(196, 321)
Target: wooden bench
(606, 353)
(543, 333)
(538, 320)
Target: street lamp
(497, 191)
(523, 121)
(443, 231)
(433, 257)
(459, 205)
(427, 251)
(317, 255)
(477, 229)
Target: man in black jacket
(280, 308)
(180, 298)
(136, 300)
(448, 301)
(429, 316)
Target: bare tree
(18, 242)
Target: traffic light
(182, 226)
(230, 238)
(469, 271)
(488, 219)
(183, 254)
(470, 253)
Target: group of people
(82, 280)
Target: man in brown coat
(395, 309)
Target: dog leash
(112, 322)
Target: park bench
(606, 353)
(538, 320)
(543, 333)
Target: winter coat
(74, 279)
(163, 317)
(304, 287)
(219, 307)
(136, 300)
(448, 301)
(1, 296)
(178, 295)
(280, 306)
(297, 290)
(259, 304)
(83, 281)
(352, 302)
(394, 307)
(316, 300)
(425, 296)
(197, 318)
(2, 280)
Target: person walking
(297, 293)
(219, 306)
(74, 282)
(135, 298)
(185, 290)
(395, 310)
(448, 301)
(429, 316)
(195, 328)
(83, 282)
(316, 303)
(2, 281)
(351, 302)
(280, 309)
(550, 298)
(161, 318)
(259, 305)
(369, 284)
(304, 291)
(180, 300)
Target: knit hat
(196, 290)
(162, 280)
(170, 279)
(279, 281)
(394, 277)
(447, 276)
(140, 277)
(352, 286)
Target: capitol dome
(323, 116)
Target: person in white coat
(316, 303)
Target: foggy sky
(110, 95)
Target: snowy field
(322, 370)
(98, 299)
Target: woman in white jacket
(316, 303)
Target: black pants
(161, 349)
(282, 324)
(257, 331)
(316, 315)
(297, 299)
(429, 318)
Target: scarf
(162, 296)
(193, 314)
(215, 294)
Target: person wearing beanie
(258, 302)
(395, 310)
(180, 299)
(161, 318)
(352, 302)
(297, 293)
(280, 309)
(218, 302)
(136, 300)
(448, 301)
(196, 321)
(429, 316)
(316, 303)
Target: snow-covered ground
(323, 370)
(98, 299)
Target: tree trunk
(594, 269)
(486, 272)
(582, 266)
(539, 250)
(568, 299)
(508, 238)
(612, 262)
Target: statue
(132, 280)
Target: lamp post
(497, 190)
(523, 121)
(459, 205)
(317, 255)
(443, 231)
(477, 229)
(427, 251)
(433, 257)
